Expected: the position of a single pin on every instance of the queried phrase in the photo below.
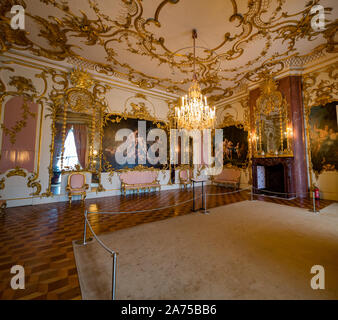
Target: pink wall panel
(22, 152)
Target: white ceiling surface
(210, 18)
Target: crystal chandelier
(195, 113)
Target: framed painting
(235, 146)
(110, 144)
(323, 137)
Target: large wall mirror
(77, 130)
(273, 132)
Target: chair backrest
(231, 174)
(138, 177)
(184, 174)
(77, 181)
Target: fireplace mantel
(272, 161)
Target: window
(70, 158)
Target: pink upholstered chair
(185, 176)
(77, 185)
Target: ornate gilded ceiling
(239, 41)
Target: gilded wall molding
(33, 183)
(16, 172)
(25, 88)
(2, 183)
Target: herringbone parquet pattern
(40, 237)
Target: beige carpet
(246, 250)
(331, 210)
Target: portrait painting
(323, 137)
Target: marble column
(291, 87)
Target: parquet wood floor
(40, 237)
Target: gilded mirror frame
(77, 92)
(269, 102)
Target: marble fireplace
(273, 176)
(281, 173)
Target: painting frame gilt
(114, 122)
(323, 129)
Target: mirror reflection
(76, 147)
(273, 133)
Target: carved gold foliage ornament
(139, 110)
(228, 120)
(22, 84)
(138, 28)
(19, 124)
(320, 90)
(270, 99)
(81, 79)
(79, 100)
(33, 183)
(16, 172)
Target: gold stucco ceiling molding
(320, 87)
(132, 28)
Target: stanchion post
(85, 229)
(314, 203)
(202, 196)
(205, 201)
(193, 196)
(114, 271)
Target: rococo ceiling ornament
(195, 112)
(253, 36)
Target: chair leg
(2, 209)
(70, 199)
